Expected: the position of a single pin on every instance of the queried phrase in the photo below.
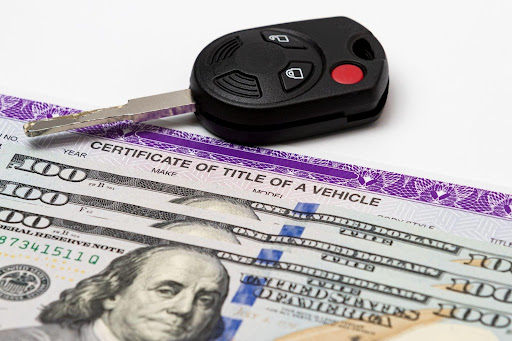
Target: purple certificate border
(402, 186)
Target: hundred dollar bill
(471, 212)
(442, 270)
(74, 280)
(69, 183)
(442, 261)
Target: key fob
(288, 81)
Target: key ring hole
(363, 49)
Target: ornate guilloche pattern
(467, 211)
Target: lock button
(283, 39)
(295, 74)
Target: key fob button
(347, 74)
(295, 74)
(240, 84)
(283, 39)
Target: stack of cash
(135, 233)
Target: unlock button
(295, 74)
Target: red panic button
(347, 74)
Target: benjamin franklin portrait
(154, 293)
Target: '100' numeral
(467, 314)
(30, 193)
(490, 263)
(29, 220)
(50, 169)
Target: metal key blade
(137, 110)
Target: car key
(267, 85)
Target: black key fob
(289, 81)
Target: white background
(448, 114)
